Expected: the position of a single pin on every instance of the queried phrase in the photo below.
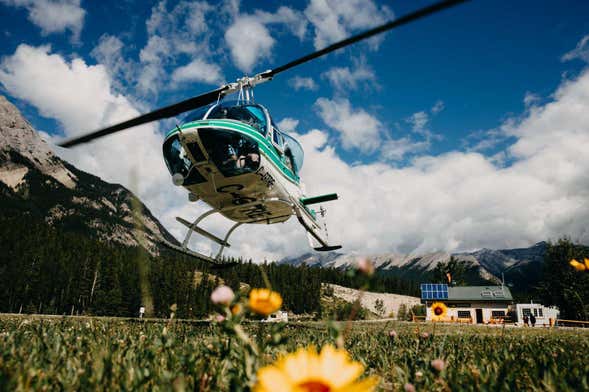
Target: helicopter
(232, 156)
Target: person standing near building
(532, 319)
(526, 320)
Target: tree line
(44, 269)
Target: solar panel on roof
(434, 291)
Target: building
(468, 304)
(279, 316)
(542, 313)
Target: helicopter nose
(232, 152)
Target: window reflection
(232, 153)
(249, 114)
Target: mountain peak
(16, 134)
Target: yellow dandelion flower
(264, 301)
(578, 266)
(586, 261)
(439, 311)
(306, 371)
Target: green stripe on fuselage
(266, 146)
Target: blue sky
(463, 83)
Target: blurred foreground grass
(111, 354)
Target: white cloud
(55, 16)
(180, 31)
(334, 20)
(438, 107)
(462, 200)
(198, 71)
(288, 124)
(80, 97)
(358, 129)
(580, 52)
(418, 121)
(249, 38)
(109, 52)
(301, 83)
(344, 78)
(396, 149)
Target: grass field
(111, 354)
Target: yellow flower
(264, 301)
(306, 371)
(579, 266)
(439, 311)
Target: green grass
(112, 354)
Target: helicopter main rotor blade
(432, 9)
(212, 96)
(165, 112)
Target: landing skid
(193, 227)
(216, 264)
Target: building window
(540, 312)
(464, 314)
(535, 312)
(526, 312)
(497, 313)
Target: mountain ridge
(35, 181)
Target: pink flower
(392, 334)
(222, 295)
(219, 318)
(408, 387)
(365, 266)
(438, 364)
(425, 335)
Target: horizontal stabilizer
(202, 232)
(319, 199)
(328, 248)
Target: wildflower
(424, 335)
(365, 266)
(408, 387)
(439, 311)
(264, 301)
(236, 309)
(438, 364)
(219, 318)
(222, 295)
(305, 370)
(418, 374)
(392, 334)
(580, 266)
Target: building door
(479, 313)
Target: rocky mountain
(34, 181)
(488, 265)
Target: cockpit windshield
(197, 114)
(247, 113)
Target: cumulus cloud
(357, 128)
(55, 16)
(334, 20)
(463, 200)
(249, 38)
(80, 97)
(346, 78)
(198, 71)
(179, 31)
(109, 52)
(301, 83)
(288, 124)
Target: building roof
(479, 293)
